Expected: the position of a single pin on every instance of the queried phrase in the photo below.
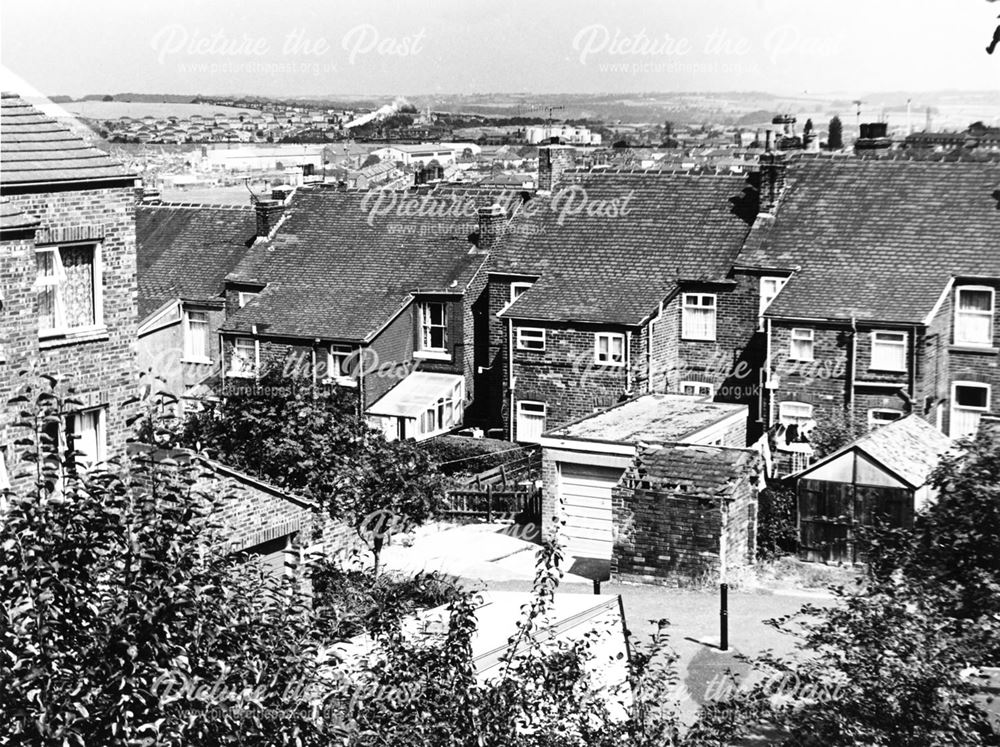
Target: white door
(586, 499)
(530, 421)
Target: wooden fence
(495, 504)
(507, 475)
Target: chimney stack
(553, 160)
(281, 193)
(268, 214)
(773, 169)
(491, 222)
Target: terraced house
(885, 278)
(67, 279)
(617, 284)
(388, 303)
(184, 254)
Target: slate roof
(332, 274)
(617, 269)
(651, 418)
(35, 149)
(694, 470)
(878, 240)
(909, 447)
(186, 251)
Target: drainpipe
(649, 355)
(913, 369)
(628, 361)
(852, 363)
(767, 375)
(510, 379)
(723, 586)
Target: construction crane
(858, 103)
(553, 109)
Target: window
(530, 421)
(769, 289)
(244, 357)
(196, 336)
(517, 290)
(337, 365)
(881, 416)
(433, 329)
(969, 400)
(530, 339)
(974, 316)
(609, 348)
(889, 351)
(801, 344)
(697, 388)
(698, 316)
(445, 414)
(246, 297)
(85, 434)
(794, 413)
(69, 288)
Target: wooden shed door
(586, 496)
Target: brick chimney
(773, 169)
(491, 222)
(268, 214)
(281, 193)
(553, 160)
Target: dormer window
(433, 327)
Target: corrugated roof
(878, 240)
(337, 271)
(608, 247)
(651, 418)
(187, 251)
(35, 149)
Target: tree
(835, 137)
(808, 128)
(124, 619)
(311, 440)
(835, 430)
(371, 161)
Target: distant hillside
(143, 98)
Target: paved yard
(489, 555)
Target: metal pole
(724, 617)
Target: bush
(777, 522)
(358, 601)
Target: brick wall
(565, 377)
(101, 367)
(672, 539)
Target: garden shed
(881, 477)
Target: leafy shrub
(461, 455)
(777, 529)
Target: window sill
(240, 375)
(800, 360)
(876, 370)
(432, 355)
(698, 339)
(529, 350)
(198, 361)
(971, 348)
(610, 364)
(58, 339)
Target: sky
(367, 47)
